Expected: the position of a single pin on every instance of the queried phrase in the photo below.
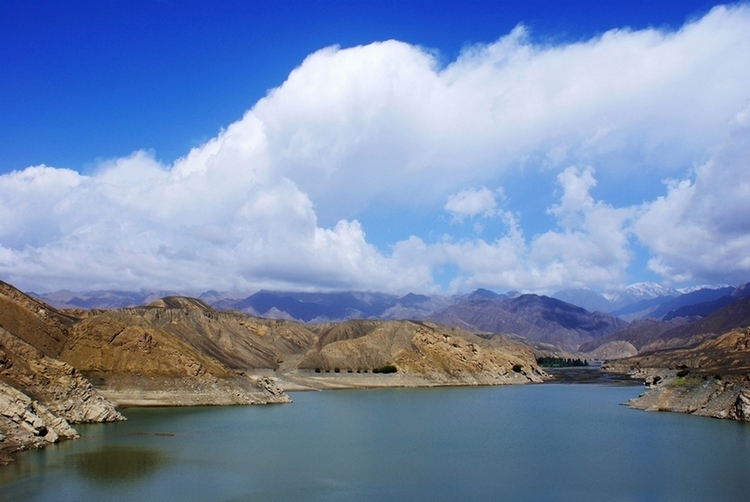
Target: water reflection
(119, 464)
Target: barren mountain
(47, 356)
(669, 310)
(651, 335)
(237, 340)
(425, 350)
(547, 322)
(33, 321)
(704, 308)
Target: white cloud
(274, 200)
(375, 121)
(700, 230)
(470, 203)
(591, 246)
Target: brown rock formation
(711, 378)
(25, 423)
(133, 361)
(39, 396)
(180, 351)
(233, 338)
(616, 349)
(439, 354)
(55, 384)
(46, 356)
(34, 322)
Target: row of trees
(388, 368)
(558, 362)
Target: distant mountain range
(569, 320)
(637, 301)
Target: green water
(541, 442)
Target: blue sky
(373, 145)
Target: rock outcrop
(40, 395)
(25, 423)
(711, 378)
(59, 386)
(616, 349)
(717, 397)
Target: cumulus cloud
(374, 121)
(700, 230)
(275, 199)
(589, 247)
(470, 203)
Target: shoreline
(304, 380)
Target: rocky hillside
(49, 358)
(422, 352)
(61, 366)
(39, 395)
(652, 335)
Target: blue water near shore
(536, 442)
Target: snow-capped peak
(648, 290)
(691, 289)
(639, 291)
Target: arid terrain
(66, 366)
(61, 367)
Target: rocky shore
(713, 396)
(61, 396)
(710, 378)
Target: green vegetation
(558, 362)
(388, 368)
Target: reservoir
(534, 442)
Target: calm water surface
(540, 442)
